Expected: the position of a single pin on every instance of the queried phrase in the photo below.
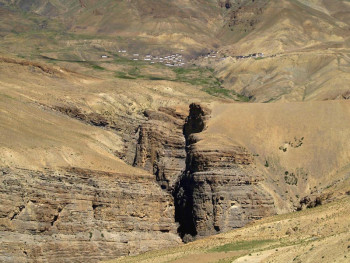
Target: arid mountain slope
(306, 49)
(306, 44)
(302, 148)
(114, 104)
(289, 25)
(176, 23)
(238, 27)
(296, 76)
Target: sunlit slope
(301, 148)
(297, 76)
(33, 136)
(248, 26)
(290, 24)
(176, 23)
(306, 47)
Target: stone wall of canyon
(77, 215)
(214, 189)
(161, 146)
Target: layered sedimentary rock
(75, 215)
(161, 145)
(219, 190)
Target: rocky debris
(219, 189)
(91, 118)
(161, 146)
(76, 215)
(314, 200)
(35, 65)
(243, 15)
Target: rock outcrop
(76, 215)
(219, 190)
(242, 16)
(161, 145)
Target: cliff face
(81, 215)
(215, 189)
(161, 146)
(219, 190)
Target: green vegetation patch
(290, 178)
(98, 67)
(123, 75)
(242, 245)
(205, 77)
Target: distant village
(216, 56)
(172, 60)
(178, 60)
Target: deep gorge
(213, 190)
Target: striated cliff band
(76, 215)
(66, 197)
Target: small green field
(242, 245)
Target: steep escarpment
(218, 190)
(161, 146)
(76, 215)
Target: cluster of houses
(216, 56)
(212, 54)
(177, 60)
(174, 60)
(254, 55)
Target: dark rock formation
(218, 191)
(314, 200)
(81, 215)
(243, 15)
(161, 146)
